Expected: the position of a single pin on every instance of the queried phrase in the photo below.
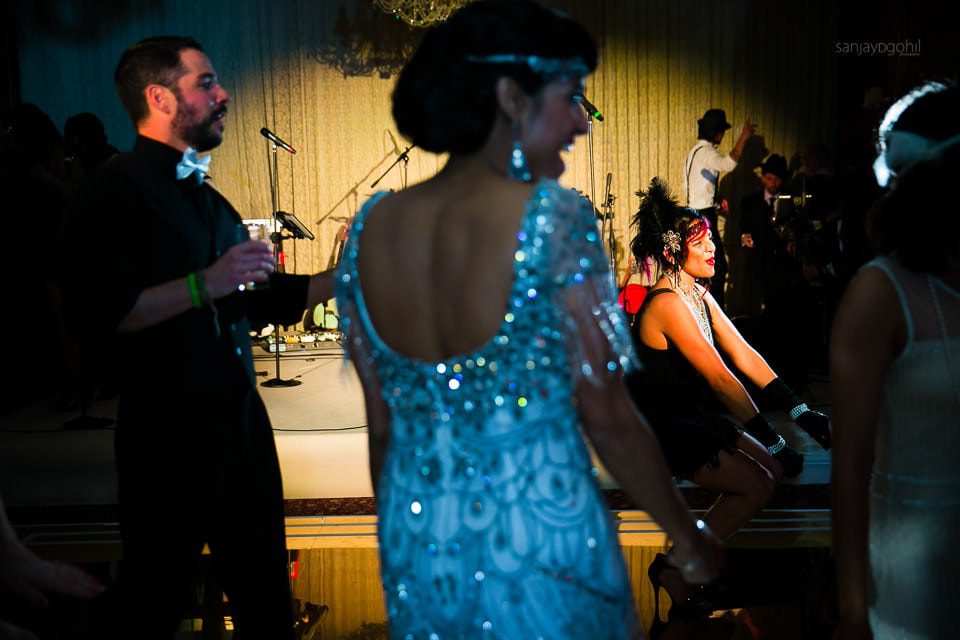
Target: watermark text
(904, 47)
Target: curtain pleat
(319, 74)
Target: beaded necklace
(698, 308)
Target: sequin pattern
(491, 524)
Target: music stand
(292, 224)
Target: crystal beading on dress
(488, 499)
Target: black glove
(789, 458)
(814, 423)
(817, 425)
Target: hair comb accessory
(671, 241)
(547, 67)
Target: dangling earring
(518, 171)
(675, 271)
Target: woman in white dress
(895, 367)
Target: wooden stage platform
(60, 491)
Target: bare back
(436, 263)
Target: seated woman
(680, 332)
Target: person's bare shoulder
(870, 292)
(869, 314)
(663, 306)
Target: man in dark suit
(772, 230)
(156, 259)
(765, 231)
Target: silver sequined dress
(915, 486)
(491, 523)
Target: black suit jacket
(188, 409)
(771, 261)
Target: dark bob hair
(914, 221)
(444, 103)
(913, 218)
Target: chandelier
(420, 13)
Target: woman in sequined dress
(680, 333)
(490, 520)
(895, 368)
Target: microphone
(591, 108)
(607, 197)
(272, 137)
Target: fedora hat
(777, 165)
(714, 120)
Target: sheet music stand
(291, 223)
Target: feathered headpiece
(661, 224)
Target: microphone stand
(593, 188)
(276, 239)
(607, 228)
(606, 208)
(405, 157)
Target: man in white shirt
(701, 173)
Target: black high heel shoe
(696, 605)
(653, 572)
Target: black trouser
(199, 484)
(719, 279)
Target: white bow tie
(191, 164)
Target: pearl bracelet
(799, 410)
(778, 446)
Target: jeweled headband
(547, 67)
(899, 150)
(905, 149)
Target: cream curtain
(319, 74)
